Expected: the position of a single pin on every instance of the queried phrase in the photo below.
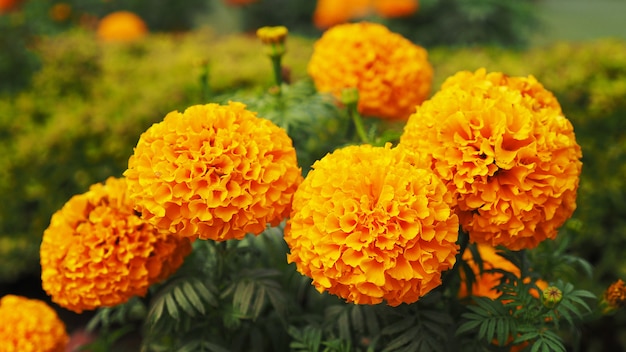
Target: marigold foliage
(369, 224)
(30, 325)
(214, 172)
(97, 251)
(503, 146)
(392, 74)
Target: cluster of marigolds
(487, 154)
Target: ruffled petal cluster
(213, 172)
(392, 74)
(30, 325)
(98, 252)
(488, 279)
(503, 146)
(369, 224)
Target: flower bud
(551, 297)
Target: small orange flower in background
(7, 6)
(97, 252)
(214, 172)
(615, 296)
(395, 8)
(503, 146)
(121, 26)
(329, 13)
(30, 325)
(486, 283)
(369, 224)
(60, 12)
(392, 74)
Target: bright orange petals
(392, 74)
(396, 8)
(369, 224)
(503, 146)
(329, 13)
(30, 325)
(121, 26)
(97, 252)
(485, 285)
(214, 172)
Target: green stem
(277, 67)
(357, 120)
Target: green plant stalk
(357, 121)
(277, 68)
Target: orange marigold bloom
(329, 13)
(368, 224)
(503, 146)
(97, 252)
(121, 26)
(214, 172)
(395, 8)
(30, 325)
(485, 285)
(392, 74)
(615, 295)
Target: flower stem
(277, 67)
(357, 120)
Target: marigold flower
(329, 13)
(30, 325)
(488, 280)
(369, 224)
(214, 172)
(97, 252)
(121, 26)
(615, 295)
(392, 74)
(395, 8)
(503, 146)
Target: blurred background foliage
(72, 106)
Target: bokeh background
(73, 101)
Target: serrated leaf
(182, 301)
(403, 339)
(172, 308)
(193, 297)
(468, 326)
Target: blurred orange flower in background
(333, 12)
(8, 5)
(369, 224)
(486, 282)
(214, 172)
(503, 146)
(121, 26)
(30, 325)
(391, 74)
(239, 2)
(98, 252)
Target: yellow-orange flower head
(97, 252)
(392, 74)
(214, 172)
(30, 325)
(368, 224)
(505, 149)
(121, 26)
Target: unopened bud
(552, 296)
